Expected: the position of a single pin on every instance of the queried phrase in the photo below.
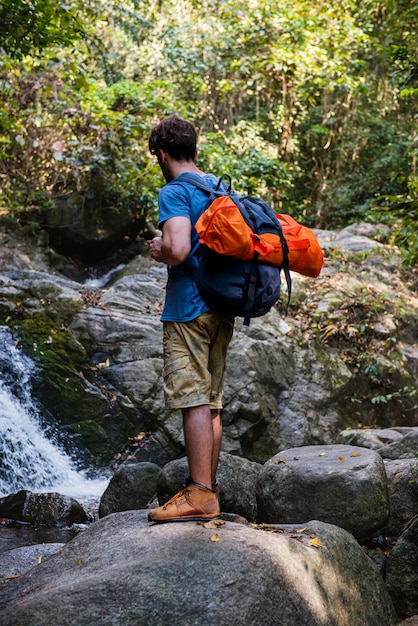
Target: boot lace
(180, 495)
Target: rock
(411, 621)
(402, 476)
(406, 447)
(342, 485)
(87, 227)
(410, 353)
(42, 509)
(273, 398)
(122, 570)
(353, 238)
(373, 438)
(237, 477)
(141, 449)
(20, 560)
(402, 571)
(131, 487)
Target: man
(195, 339)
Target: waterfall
(31, 457)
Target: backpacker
(244, 248)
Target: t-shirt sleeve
(173, 201)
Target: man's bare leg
(217, 442)
(197, 502)
(200, 442)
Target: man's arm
(174, 246)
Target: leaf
(316, 542)
(40, 557)
(213, 523)
(302, 530)
(215, 538)
(341, 458)
(356, 454)
(12, 577)
(279, 461)
(322, 454)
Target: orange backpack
(223, 229)
(244, 248)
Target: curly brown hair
(176, 136)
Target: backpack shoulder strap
(197, 181)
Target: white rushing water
(99, 282)
(30, 455)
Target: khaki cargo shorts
(194, 360)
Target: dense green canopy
(312, 105)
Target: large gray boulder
(402, 571)
(342, 485)
(124, 571)
(132, 487)
(402, 475)
(42, 509)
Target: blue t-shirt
(183, 302)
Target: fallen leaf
(269, 527)
(356, 454)
(40, 557)
(79, 561)
(279, 461)
(213, 523)
(315, 542)
(322, 454)
(215, 538)
(302, 530)
(12, 577)
(341, 458)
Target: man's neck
(175, 168)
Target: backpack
(244, 248)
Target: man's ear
(162, 155)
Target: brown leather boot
(192, 503)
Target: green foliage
(401, 211)
(252, 162)
(70, 139)
(27, 27)
(312, 106)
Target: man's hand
(155, 248)
(173, 247)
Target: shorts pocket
(174, 365)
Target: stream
(33, 454)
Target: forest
(311, 105)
